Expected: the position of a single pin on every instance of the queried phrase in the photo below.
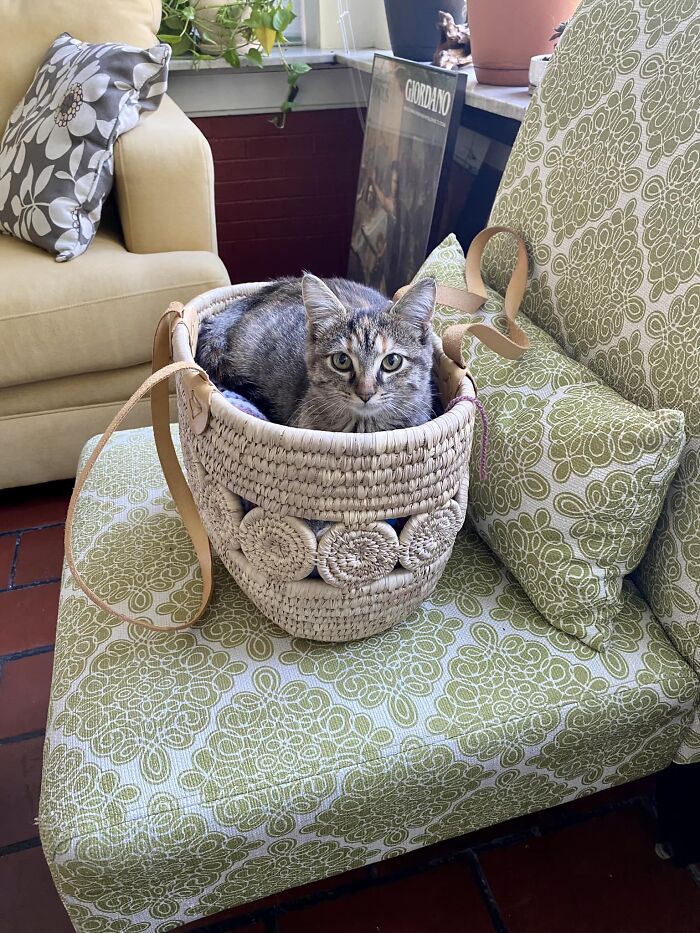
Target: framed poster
(481, 152)
(412, 122)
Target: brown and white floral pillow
(56, 154)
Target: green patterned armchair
(188, 773)
(604, 184)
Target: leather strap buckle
(198, 390)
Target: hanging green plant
(240, 33)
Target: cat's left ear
(416, 306)
(323, 308)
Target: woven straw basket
(254, 486)
(360, 577)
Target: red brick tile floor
(585, 867)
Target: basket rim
(293, 438)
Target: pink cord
(483, 453)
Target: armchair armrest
(164, 184)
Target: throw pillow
(576, 475)
(56, 154)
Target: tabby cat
(333, 356)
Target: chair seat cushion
(185, 773)
(92, 315)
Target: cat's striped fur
(280, 348)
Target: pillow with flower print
(576, 475)
(56, 154)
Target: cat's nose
(364, 394)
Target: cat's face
(367, 356)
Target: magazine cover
(412, 122)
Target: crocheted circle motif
(284, 548)
(426, 537)
(358, 555)
(222, 512)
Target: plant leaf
(254, 56)
(43, 179)
(40, 223)
(266, 37)
(75, 157)
(232, 57)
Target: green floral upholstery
(577, 475)
(604, 184)
(190, 772)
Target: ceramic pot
(506, 34)
(538, 66)
(207, 10)
(413, 26)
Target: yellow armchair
(75, 338)
(164, 184)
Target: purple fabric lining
(242, 403)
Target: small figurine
(454, 51)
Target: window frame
(309, 21)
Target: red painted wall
(285, 198)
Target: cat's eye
(392, 362)
(341, 362)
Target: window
(296, 31)
(304, 29)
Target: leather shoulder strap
(515, 342)
(157, 385)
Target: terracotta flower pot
(506, 34)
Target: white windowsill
(509, 102)
(337, 80)
(213, 88)
(298, 53)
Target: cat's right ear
(417, 304)
(323, 308)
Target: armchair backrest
(30, 26)
(604, 184)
